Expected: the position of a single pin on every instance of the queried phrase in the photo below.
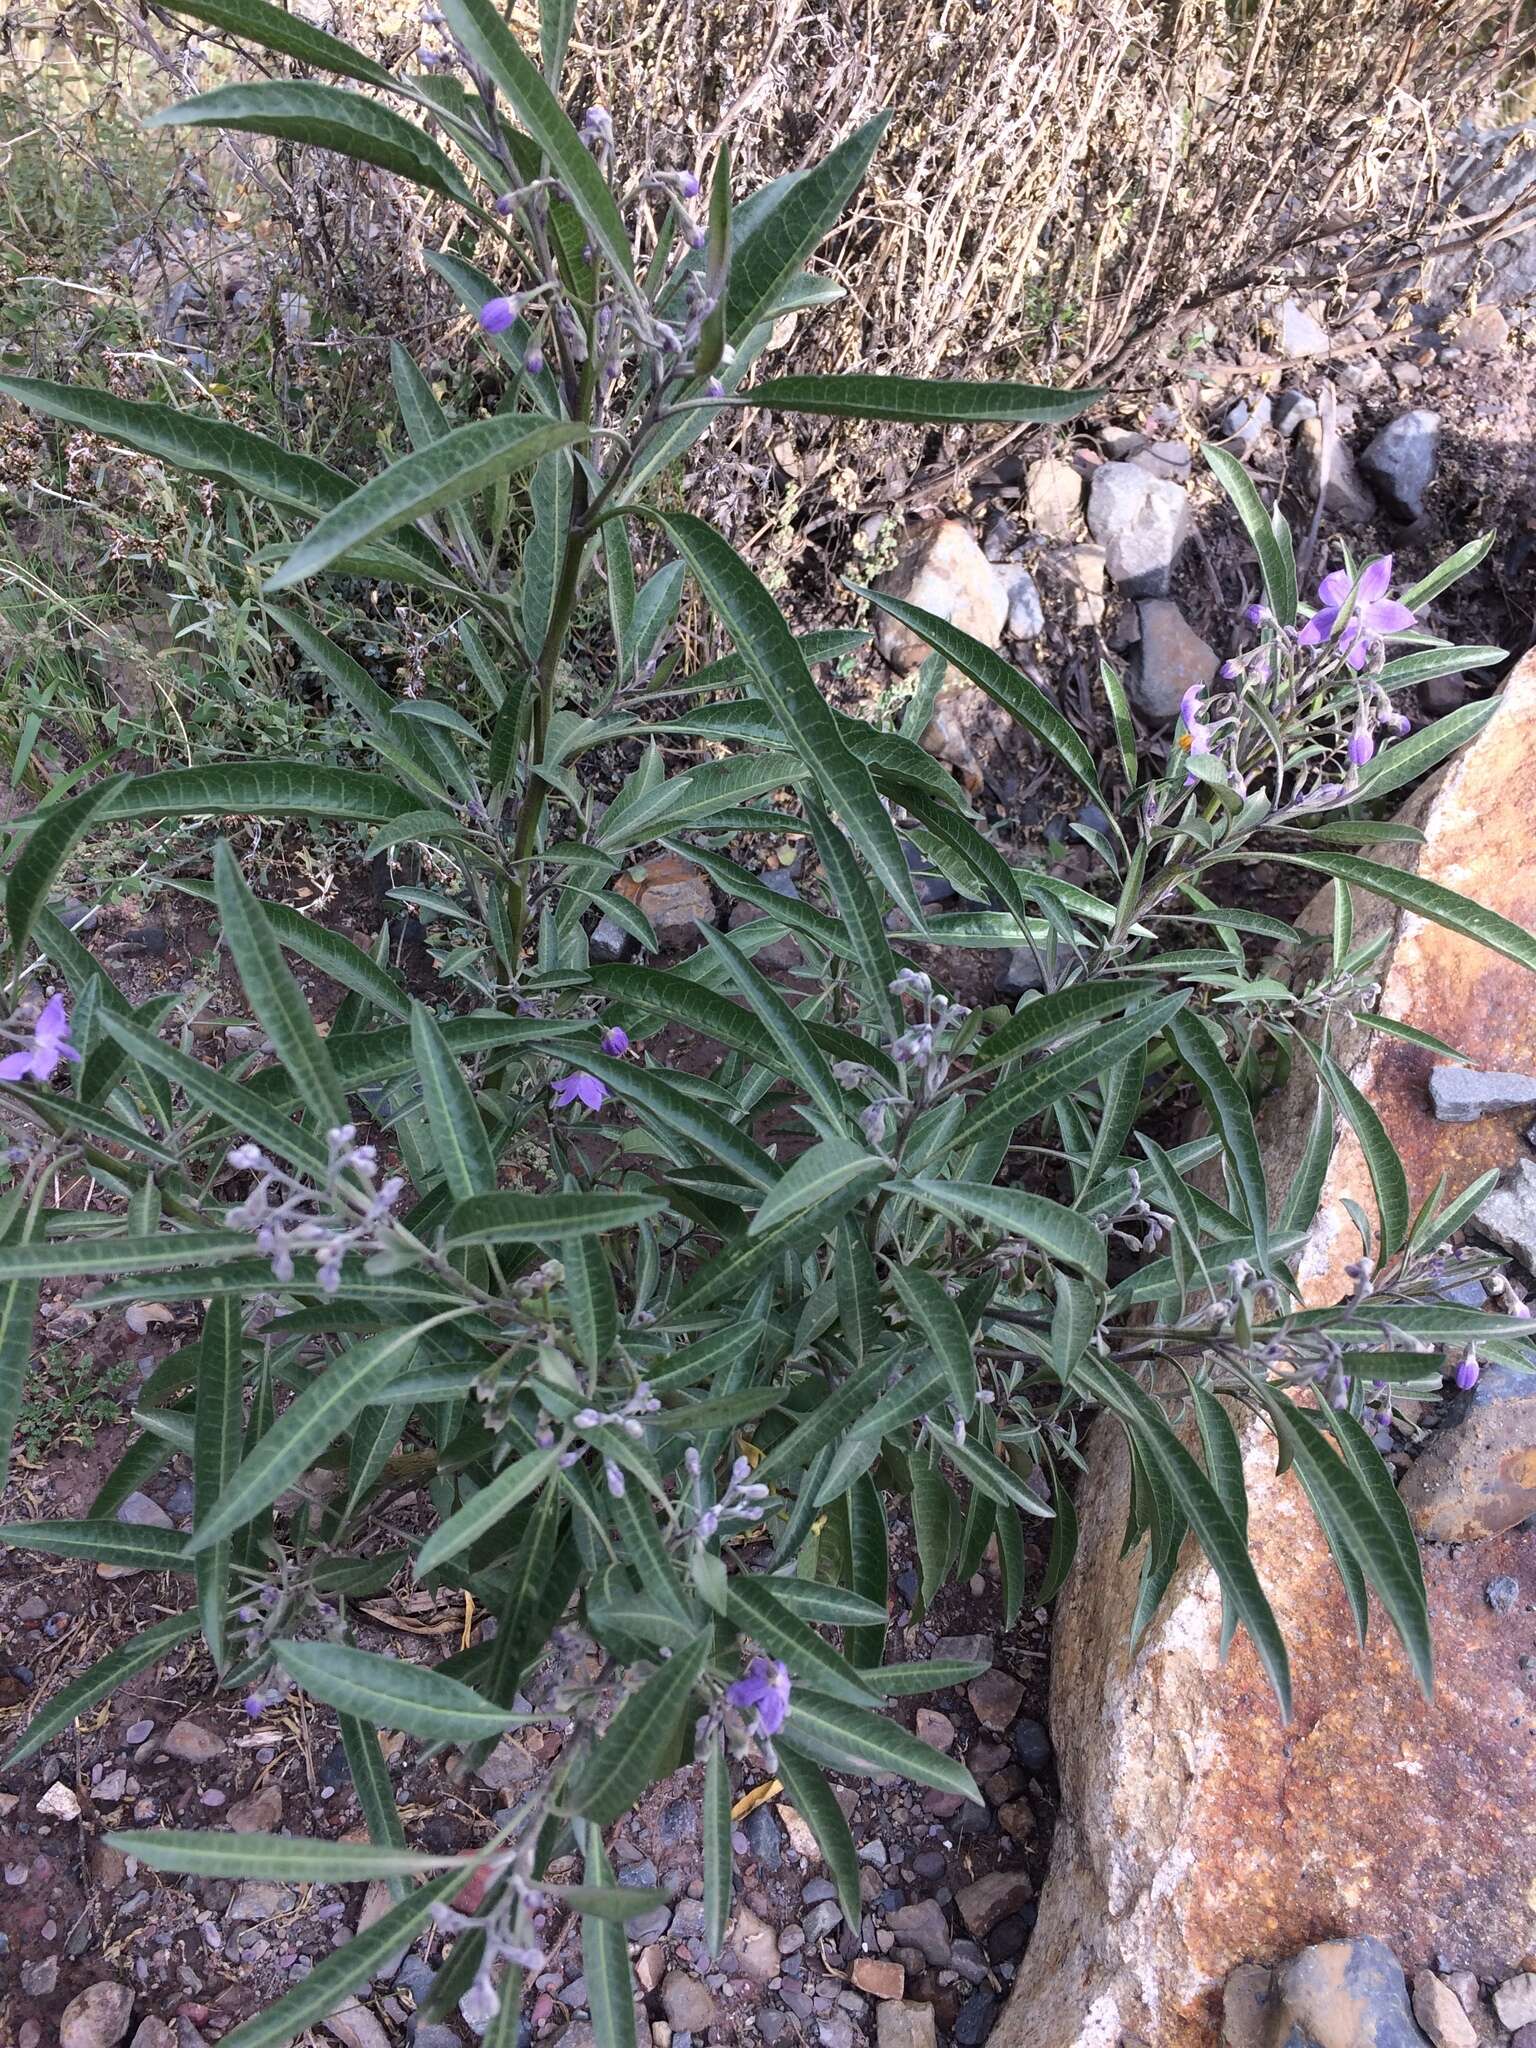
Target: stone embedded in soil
(936, 1729)
(1197, 1831)
(1346, 500)
(1021, 972)
(1018, 1820)
(259, 1899)
(1515, 2001)
(608, 941)
(994, 1897)
(59, 1802)
(1400, 462)
(153, 2033)
(1026, 619)
(947, 574)
(1439, 2012)
(906, 2025)
(260, 1813)
(1300, 332)
(1170, 659)
(1345, 1994)
(1142, 523)
(922, 1926)
(880, 1977)
(995, 1698)
(143, 1512)
(1476, 1477)
(1288, 411)
(1053, 497)
(754, 1944)
(356, 2027)
(1247, 2007)
(688, 2004)
(1508, 1215)
(191, 1744)
(508, 1766)
(97, 2018)
(963, 1650)
(802, 1839)
(673, 894)
(1462, 1094)
(975, 2020)
(1483, 333)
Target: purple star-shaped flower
(50, 1043)
(764, 1692)
(1372, 614)
(583, 1088)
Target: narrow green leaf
(464, 461)
(901, 1681)
(459, 1141)
(828, 1606)
(1060, 1233)
(244, 1111)
(1389, 1180)
(256, 21)
(1460, 914)
(801, 1055)
(638, 1739)
(754, 1608)
(942, 1324)
(58, 829)
(104, 1542)
(218, 1430)
(1276, 563)
(375, 1794)
(717, 1844)
(926, 400)
(772, 249)
(508, 1218)
(289, 1859)
(391, 1693)
(834, 1166)
(1406, 760)
(1228, 1108)
(843, 1737)
(814, 1801)
(605, 1956)
(274, 994)
(483, 1510)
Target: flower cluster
(350, 1213)
(43, 1044)
(923, 1049)
(741, 1502)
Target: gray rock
(38, 1979)
(508, 1766)
(1508, 1216)
(1400, 463)
(1440, 2013)
(963, 1650)
(1345, 1994)
(1053, 498)
(1121, 443)
(259, 1899)
(905, 2024)
(98, 2018)
(145, 1513)
(1020, 973)
(1288, 411)
(190, 1743)
(1301, 333)
(688, 2004)
(1515, 2001)
(1141, 522)
(1462, 1094)
(821, 1920)
(356, 2027)
(975, 2020)
(1345, 498)
(765, 1838)
(1170, 658)
(1476, 1477)
(436, 2034)
(1244, 424)
(609, 941)
(1025, 616)
(922, 1926)
(1169, 460)
(1502, 1595)
(1032, 1745)
(1246, 2005)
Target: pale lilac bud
(497, 315)
(1469, 1372)
(506, 203)
(741, 1471)
(614, 1478)
(709, 1522)
(692, 1462)
(254, 1705)
(1362, 745)
(533, 362)
(616, 1042)
(714, 388)
(688, 185)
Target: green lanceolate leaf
(391, 1693)
(259, 789)
(942, 1324)
(87, 1256)
(18, 1314)
(605, 1960)
(1389, 1180)
(274, 993)
(1228, 1108)
(1406, 760)
(273, 28)
(1440, 905)
(96, 1684)
(761, 633)
(327, 117)
(305, 1428)
(1277, 564)
(869, 1556)
(464, 461)
(828, 1606)
(1048, 1018)
(57, 830)
(1453, 567)
(370, 1781)
(217, 1432)
(799, 1051)
(813, 1799)
(833, 1167)
(462, 1149)
(289, 1859)
(590, 1298)
(1060, 1233)
(104, 1542)
(769, 253)
(478, 28)
(901, 1681)
(1018, 696)
(844, 1738)
(638, 1740)
(206, 1088)
(483, 1510)
(935, 400)
(754, 1608)
(507, 1218)
(717, 1844)
(337, 957)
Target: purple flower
(254, 1705)
(497, 315)
(764, 1692)
(616, 1042)
(688, 185)
(39, 1060)
(583, 1088)
(1469, 1372)
(533, 362)
(1362, 744)
(1372, 614)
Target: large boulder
(1198, 1833)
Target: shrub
(888, 1246)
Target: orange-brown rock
(1199, 1833)
(673, 894)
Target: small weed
(70, 1397)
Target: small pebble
(1502, 1593)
